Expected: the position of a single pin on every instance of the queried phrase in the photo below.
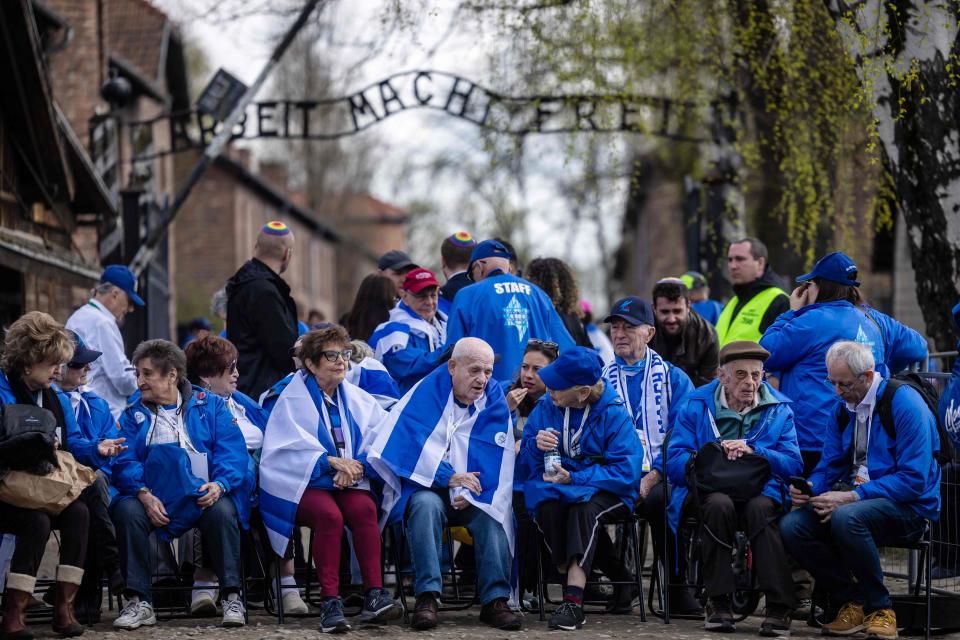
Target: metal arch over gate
(332, 118)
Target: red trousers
(325, 512)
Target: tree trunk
(916, 102)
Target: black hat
(395, 260)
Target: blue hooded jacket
(798, 342)
(949, 407)
(506, 312)
(211, 429)
(773, 437)
(903, 469)
(608, 433)
(95, 423)
(413, 361)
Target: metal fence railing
(901, 566)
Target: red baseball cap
(419, 279)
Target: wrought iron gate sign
(456, 96)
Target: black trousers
(102, 554)
(32, 528)
(722, 518)
(572, 530)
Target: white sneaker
(234, 615)
(203, 603)
(293, 603)
(135, 614)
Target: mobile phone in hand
(800, 484)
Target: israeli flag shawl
(371, 376)
(410, 443)
(295, 437)
(651, 421)
(395, 333)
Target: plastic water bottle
(551, 459)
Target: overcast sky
(242, 46)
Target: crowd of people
(492, 403)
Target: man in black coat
(263, 315)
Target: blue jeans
(221, 537)
(847, 544)
(427, 514)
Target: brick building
(217, 229)
(134, 45)
(49, 189)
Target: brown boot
(14, 625)
(68, 582)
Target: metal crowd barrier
(901, 567)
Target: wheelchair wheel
(745, 603)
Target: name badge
(863, 476)
(198, 465)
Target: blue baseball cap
(82, 354)
(574, 367)
(633, 309)
(835, 267)
(120, 276)
(488, 249)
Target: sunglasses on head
(542, 344)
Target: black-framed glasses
(332, 354)
(843, 386)
(232, 367)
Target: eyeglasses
(432, 292)
(846, 387)
(332, 354)
(75, 365)
(232, 367)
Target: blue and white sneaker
(331, 617)
(379, 606)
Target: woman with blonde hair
(34, 349)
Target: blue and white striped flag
(294, 440)
(371, 376)
(411, 442)
(394, 334)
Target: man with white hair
(877, 484)
(446, 455)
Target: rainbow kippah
(463, 239)
(275, 228)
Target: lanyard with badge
(571, 441)
(198, 459)
(641, 428)
(862, 473)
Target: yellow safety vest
(746, 326)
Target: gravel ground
(453, 626)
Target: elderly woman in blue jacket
(582, 429)
(827, 307)
(212, 364)
(746, 416)
(187, 466)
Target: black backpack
(27, 435)
(884, 408)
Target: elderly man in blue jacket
(746, 416)
(868, 491)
